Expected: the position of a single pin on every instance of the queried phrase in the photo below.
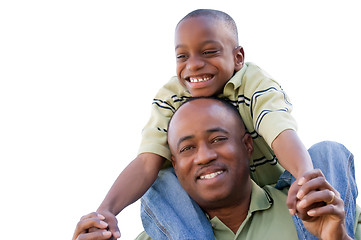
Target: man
(210, 155)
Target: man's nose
(194, 63)
(205, 154)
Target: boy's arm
(130, 185)
(294, 157)
(291, 153)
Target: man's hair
(217, 15)
(225, 102)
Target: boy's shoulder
(254, 70)
(255, 76)
(172, 89)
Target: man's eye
(186, 148)
(219, 139)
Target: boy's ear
(239, 58)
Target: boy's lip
(199, 78)
(199, 81)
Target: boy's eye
(210, 52)
(181, 56)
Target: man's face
(207, 55)
(210, 153)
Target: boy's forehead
(203, 25)
(198, 22)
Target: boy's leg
(337, 164)
(168, 212)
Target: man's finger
(99, 235)
(87, 223)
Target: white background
(78, 77)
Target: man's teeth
(211, 175)
(197, 79)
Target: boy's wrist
(299, 173)
(106, 209)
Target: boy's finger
(113, 228)
(92, 215)
(314, 173)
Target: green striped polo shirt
(262, 103)
(268, 218)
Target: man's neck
(234, 215)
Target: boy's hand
(92, 221)
(112, 223)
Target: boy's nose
(205, 155)
(194, 64)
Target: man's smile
(211, 175)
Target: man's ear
(173, 162)
(239, 58)
(248, 142)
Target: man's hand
(94, 221)
(292, 197)
(320, 207)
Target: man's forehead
(202, 105)
(206, 108)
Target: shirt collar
(260, 200)
(236, 81)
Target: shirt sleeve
(270, 106)
(165, 103)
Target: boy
(210, 62)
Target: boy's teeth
(211, 175)
(194, 79)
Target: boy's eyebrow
(203, 43)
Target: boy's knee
(332, 158)
(329, 148)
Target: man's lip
(209, 170)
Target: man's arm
(320, 207)
(130, 185)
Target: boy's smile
(207, 55)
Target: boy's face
(207, 55)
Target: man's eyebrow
(217, 129)
(185, 138)
(211, 130)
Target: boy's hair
(218, 15)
